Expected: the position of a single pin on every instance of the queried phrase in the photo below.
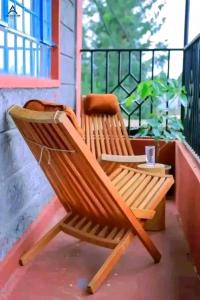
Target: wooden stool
(158, 222)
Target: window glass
(11, 61)
(27, 4)
(10, 40)
(19, 61)
(19, 19)
(26, 47)
(1, 59)
(1, 38)
(27, 23)
(27, 57)
(1, 10)
(19, 42)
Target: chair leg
(148, 243)
(108, 265)
(29, 255)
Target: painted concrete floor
(63, 269)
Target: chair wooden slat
(133, 187)
(97, 136)
(92, 137)
(126, 138)
(145, 192)
(115, 135)
(121, 138)
(110, 134)
(118, 178)
(103, 232)
(102, 138)
(123, 181)
(112, 233)
(152, 193)
(138, 191)
(107, 139)
(130, 183)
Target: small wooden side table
(158, 222)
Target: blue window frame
(26, 37)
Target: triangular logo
(12, 10)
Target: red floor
(63, 269)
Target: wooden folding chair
(107, 137)
(106, 211)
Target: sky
(173, 28)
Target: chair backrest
(105, 133)
(77, 178)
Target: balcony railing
(119, 71)
(191, 79)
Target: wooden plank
(124, 181)
(126, 186)
(125, 134)
(143, 213)
(107, 141)
(121, 139)
(110, 135)
(145, 192)
(96, 133)
(119, 235)
(152, 193)
(87, 130)
(115, 135)
(112, 233)
(123, 158)
(118, 178)
(83, 125)
(87, 226)
(115, 173)
(80, 223)
(106, 268)
(102, 138)
(138, 191)
(133, 187)
(91, 130)
(88, 237)
(29, 255)
(103, 232)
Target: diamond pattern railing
(119, 71)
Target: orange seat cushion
(101, 103)
(40, 105)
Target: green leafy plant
(165, 95)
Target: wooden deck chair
(106, 211)
(105, 132)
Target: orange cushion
(101, 103)
(40, 105)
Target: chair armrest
(147, 214)
(122, 158)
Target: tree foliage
(121, 24)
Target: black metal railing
(119, 71)
(191, 79)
